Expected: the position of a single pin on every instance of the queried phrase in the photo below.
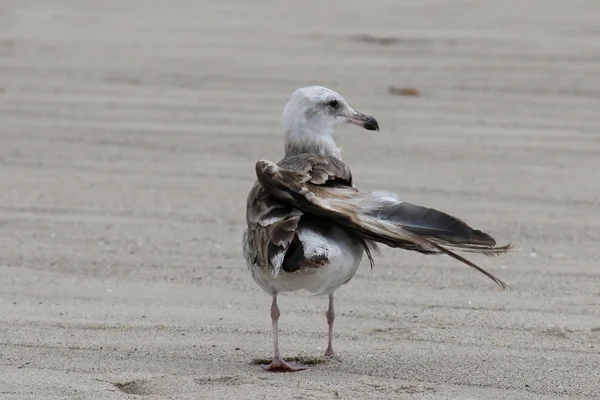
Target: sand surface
(128, 136)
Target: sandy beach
(129, 131)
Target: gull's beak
(365, 121)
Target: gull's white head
(310, 117)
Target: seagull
(309, 226)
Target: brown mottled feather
(271, 227)
(273, 221)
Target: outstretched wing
(312, 184)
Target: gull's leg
(278, 365)
(330, 318)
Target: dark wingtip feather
(432, 223)
(482, 237)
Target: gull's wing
(322, 186)
(272, 226)
(271, 241)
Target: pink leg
(330, 318)
(278, 364)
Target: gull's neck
(311, 142)
(320, 146)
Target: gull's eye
(333, 104)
